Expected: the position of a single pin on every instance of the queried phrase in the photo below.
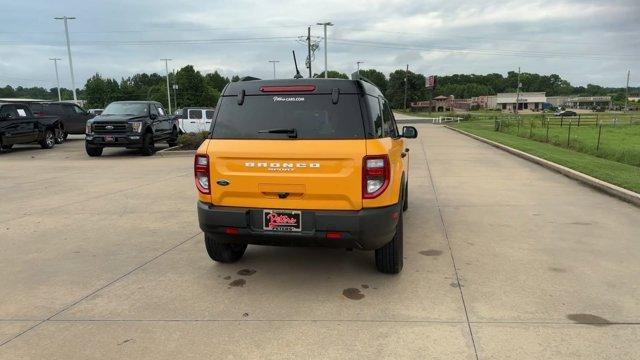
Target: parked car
(95, 111)
(304, 162)
(73, 118)
(194, 119)
(130, 124)
(566, 113)
(18, 125)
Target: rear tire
(48, 141)
(389, 258)
(223, 252)
(405, 205)
(61, 136)
(93, 151)
(148, 146)
(173, 139)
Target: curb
(603, 186)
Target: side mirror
(409, 132)
(153, 116)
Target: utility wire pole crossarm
(66, 33)
(55, 64)
(166, 67)
(325, 24)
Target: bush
(191, 141)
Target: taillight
(376, 174)
(201, 171)
(288, 88)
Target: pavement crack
(100, 289)
(453, 260)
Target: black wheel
(48, 141)
(405, 205)
(173, 139)
(223, 252)
(389, 257)
(93, 150)
(61, 136)
(148, 146)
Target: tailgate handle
(283, 195)
(335, 95)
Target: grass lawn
(618, 173)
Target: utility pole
(55, 64)
(406, 84)
(325, 24)
(274, 62)
(309, 48)
(66, 33)
(626, 93)
(166, 67)
(175, 89)
(358, 65)
(518, 91)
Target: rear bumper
(366, 229)
(120, 140)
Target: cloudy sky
(583, 41)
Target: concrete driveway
(102, 258)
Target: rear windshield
(313, 117)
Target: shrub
(191, 141)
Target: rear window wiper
(293, 133)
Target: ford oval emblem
(109, 127)
(222, 182)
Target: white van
(195, 119)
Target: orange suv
(314, 162)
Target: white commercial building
(525, 101)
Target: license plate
(282, 220)
(109, 139)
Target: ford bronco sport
(303, 162)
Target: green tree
(216, 81)
(377, 78)
(98, 92)
(416, 89)
(332, 74)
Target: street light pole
(166, 67)
(406, 84)
(274, 62)
(55, 64)
(66, 33)
(325, 24)
(358, 65)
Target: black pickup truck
(132, 125)
(18, 125)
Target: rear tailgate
(287, 174)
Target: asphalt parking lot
(103, 258)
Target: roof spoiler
(356, 76)
(249, 78)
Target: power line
(501, 52)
